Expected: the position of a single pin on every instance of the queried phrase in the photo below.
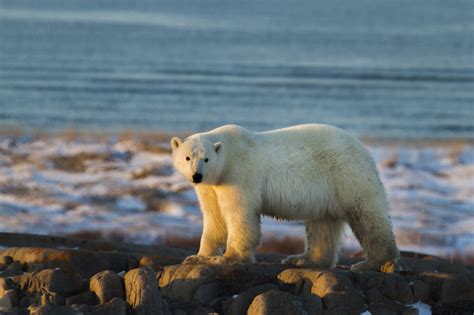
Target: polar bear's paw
(302, 261)
(195, 260)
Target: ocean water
(397, 69)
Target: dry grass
(78, 162)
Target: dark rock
(350, 300)
(88, 298)
(52, 298)
(8, 260)
(50, 280)
(395, 287)
(9, 299)
(276, 302)
(115, 306)
(52, 310)
(455, 268)
(435, 282)
(107, 285)
(13, 269)
(206, 293)
(241, 302)
(86, 263)
(369, 279)
(5, 284)
(458, 287)
(142, 291)
(321, 281)
(421, 291)
(81, 308)
(313, 303)
(92, 246)
(181, 282)
(159, 261)
(460, 307)
(373, 296)
(388, 307)
(204, 311)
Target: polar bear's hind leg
(323, 240)
(373, 229)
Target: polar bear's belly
(296, 198)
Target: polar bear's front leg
(214, 234)
(239, 210)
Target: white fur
(316, 173)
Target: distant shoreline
(160, 134)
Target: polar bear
(316, 173)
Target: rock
(5, 284)
(369, 279)
(115, 306)
(181, 282)
(395, 287)
(314, 304)
(50, 280)
(142, 291)
(241, 302)
(13, 269)
(9, 299)
(421, 291)
(8, 260)
(458, 287)
(345, 301)
(373, 295)
(107, 285)
(435, 282)
(88, 298)
(81, 308)
(204, 311)
(460, 307)
(86, 263)
(321, 281)
(52, 310)
(276, 302)
(206, 293)
(159, 261)
(52, 298)
(391, 308)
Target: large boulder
(142, 291)
(86, 263)
(107, 285)
(275, 302)
(50, 280)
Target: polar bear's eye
(206, 160)
(187, 158)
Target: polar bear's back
(315, 167)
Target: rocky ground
(53, 275)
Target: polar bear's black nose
(197, 178)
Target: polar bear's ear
(217, 146)
(175, 142)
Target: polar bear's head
(198, 159)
